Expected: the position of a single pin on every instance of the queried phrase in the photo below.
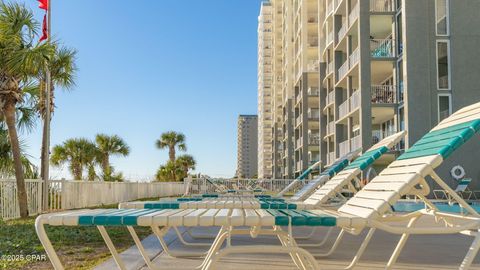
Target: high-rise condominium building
(247, 146)
(354, 71)
(265, 80)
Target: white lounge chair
(461, 189)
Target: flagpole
(46, 153)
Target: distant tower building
(247, 146)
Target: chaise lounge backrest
(403, 175)
(339, 181)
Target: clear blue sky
(146, 67)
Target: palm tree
(168, 172)
(109, 146)
(186, 162)
(6, 160)
(20, 58)
(62, 69)
(172, 140)
(79, 153)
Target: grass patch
(77, 247)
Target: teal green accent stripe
(88, 219)
(465, 181)
(162, 205)
(367, 159)
(301, 218)
(442, 142)
(131, 219)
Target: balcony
(353, 14)
(352, 60)
(383, 94)
(382, 48)
(299, 96)
(349, 105)
(330, 98)
(313, 91)
(298, 121)
(329, 68)
(378, 135)
(382, 6)
(330, 8)
(336, 4)
(350, 145)
(298, 143)
(342, 32)
(329, 38)
(342, 71)
(330, 128)
(330, 158)
(313, 114)
(299, 165)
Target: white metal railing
(383, 94)
(354, 100)
(64, 195)
(342, 32)
(336, 4)
(378, 135)
(330, 98)
(313, 91)
(382, 5)
(330, 7)
(330, 158)
(329, 68)
(353, 14)
(343, 109)
(331, 127)
(299, 165)
(202, 186)
(313, 114)
(354, 58)
(329, 38)
(342, 71)
(382, 48)
(298, 120)
(344, 147)
(298, 143)
(355, 143)
(299, 96)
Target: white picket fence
(64, 195)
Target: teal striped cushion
(368, 158)
(443, 141)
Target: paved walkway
(421, 252)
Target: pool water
(411, 206)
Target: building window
(399, 34)
(444, 106)
(442, 17)
(443, 64)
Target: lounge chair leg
(472, 252)
(325, 238)
(217, 243)
(160, 233)
(140, 247)
(308, 236)
(334, 246)
(189, 232)
(362, 248)
(111, 247)
(47, 245)
(401, 244)
(180, 237)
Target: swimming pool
(411, 206)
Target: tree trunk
(106, 166)
(9, 112)
(171, 153)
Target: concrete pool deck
(421, 252)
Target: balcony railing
(330, 128)
(378, 135)
(383, 94)
(356, 143)
(313, 91)
(329, 37)
(342, 71)
(330, 98)
(382, 48)
(299, 165)
(330, 7)
(298, 120)
(329, 68)
(344, 148)
(336, 3)
(349, 105)
(382, 5)
(313, 114)
(353, 14)
(342, 32)
(299, 142)
(354, 57)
